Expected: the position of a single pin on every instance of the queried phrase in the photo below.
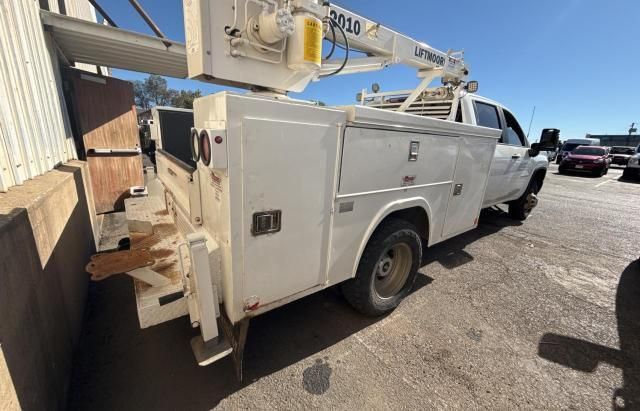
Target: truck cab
(515, 165)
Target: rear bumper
(619, 161)
(582, 167)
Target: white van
(572, 143)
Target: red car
(590, 159)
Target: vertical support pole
(455, 104)
(201, 272)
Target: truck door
(488, 115)
(519, 165)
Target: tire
(387, 269)
(522, 207)
(561, 170)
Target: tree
(184, 98)
(140, 95)
(154, 91)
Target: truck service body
(289, 197)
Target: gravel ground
(544, 314)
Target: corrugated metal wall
(35, 134)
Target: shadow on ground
(119, 366)
(629, 180)
(451, 253)
(585, 356)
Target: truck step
(211, 351)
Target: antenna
(531, 122)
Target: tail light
(205, 148)
(212, 144)
(195, 145)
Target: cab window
(487, 115)
(513, 134)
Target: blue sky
(568, 58)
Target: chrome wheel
(392, 270)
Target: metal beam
(92, 43)
(147, 18)
(103, 13)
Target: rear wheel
(522, 207)
(387, 269)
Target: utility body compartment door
(288, 167)
(379, 176)
(469, 184)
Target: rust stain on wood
(166, 259)
(105, 265)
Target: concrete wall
(48, 230)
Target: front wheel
(387, 270)
(522, 207)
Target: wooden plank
(105, 265)
(105, 112)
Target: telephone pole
(632, 130)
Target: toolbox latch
(266, 222)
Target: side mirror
(549, 139)
(534, 150)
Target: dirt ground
(540, 315)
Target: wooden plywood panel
(105, 113)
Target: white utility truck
(289, 197)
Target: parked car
(620, 155)
(572, 143)
(632, 170)
(591, 159)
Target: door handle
(516, 157)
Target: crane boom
(386, 47)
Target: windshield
(622, 150)
(569, 146)
(588, 151)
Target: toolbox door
(288, 175)
(475, 155)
